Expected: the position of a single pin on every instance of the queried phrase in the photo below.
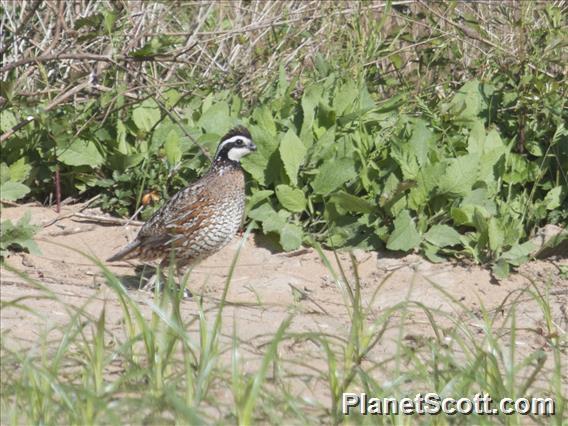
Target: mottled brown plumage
(202, 218)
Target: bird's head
(234, 145)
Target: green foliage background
(431, 127)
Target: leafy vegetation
(389, 152)
(435, 127)
(18, 235)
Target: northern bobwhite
(202, 218)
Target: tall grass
(162, 368)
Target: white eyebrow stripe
(232, 140)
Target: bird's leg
(182, 281)
(152, 282)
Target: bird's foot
(156, 282)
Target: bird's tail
(128, 252)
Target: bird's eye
(240, 142)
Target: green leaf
(272, 221)
(431, 252)
(264, 119)
(501, 269)
(260, 164)
(460, 175)
(326, 116)
(462, 215)
(291, 237)
(19, 170)
(333, 174)
(172, 148)
(257, 197)
(310, 99)
(496, 235)
(7, 120)
(12, 191)
(404, 236)
(121, 137)
(4, 173)
(292, 153)
(468, 102)
(443, 236)
(352, 203)
(476, 140)
(291, 198)
(216, 119)
(420, 141)
(404, 155)
(109, 19)
(18, 235)
(275, 222)
(345, 97)
(80, 153)
(553, 199)
(146, 115)
(519, 253)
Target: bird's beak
(252, 147)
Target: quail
(202, 218)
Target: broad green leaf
(121, 137)
(442, 236)
(501, 269)
(333, 174)
(403, 154)
(352, 203)
(257, 197)
(109, 19)
(496, 235)
(80, 153)
(292, 199)
(345, 97)
(553, 198)
(272, 221)
(19, 234)
(292, 153)
(19, 170)
(460, 175)
(259, 164)
(310, 99)
(426, 180)
(431, 252)
(291, 237)
(264, 119)
(275, 222)
(217, 119)
(146, 115)
(534, 147)
(404, 236)
(4, 173)
(12, 191)
(468, 102)
(172, 148)
(326, 116)
(462, 215)
(519, 253)
(7, 120)
(476, 139)
(420, 141)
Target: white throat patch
(235, 154)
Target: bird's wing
(180, 215)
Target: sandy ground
(267, 286)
